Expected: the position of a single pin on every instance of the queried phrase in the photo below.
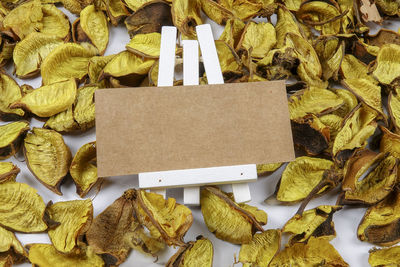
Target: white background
(346, 221)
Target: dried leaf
(9, 93)
(11, 136)
(8, 171)
(198, 253)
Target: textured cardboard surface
(147, 129)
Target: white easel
(192, 179)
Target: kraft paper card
(145, 129)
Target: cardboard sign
(147, 129)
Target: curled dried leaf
(95, 67)
(23, 209)
(300, 177)
(9, 93)
(390, 142)
(216, 11)
(388, 7)
(62, 122)
(380, 224)
(316, 252)
(258, 38)
(376, 185)
(74, 218)
(232, 31)
(262, 248)
(186, 16)
(55, 22)
(84, 107)
(228, 220)
(95, 26)
(46, 255)
(358, 126)
(114, 232)
(48, 157)
(314, 222)
(11, 136)
(313, 101)
(29, 53)
(166, 220)
(83, 168)
(10, 245)
(197, 253)
(150, 17)
(49, 100)
(349, 102)
(116, 11)
(330, 51)
(388, 64)
(145, 45)
(8, 171)
(394, 109)
(67, 61)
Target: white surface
(346, 221)
(191, 196)
(190, 62)
(241, 192)
(166, 64)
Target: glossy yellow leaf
(263, 169)
(74, 217)
(49, 100)
(48, 157)
(62, 122)
(317, 102)
(388, 64)
(232, 31)
(8, 171)
(300, 177)
(349, 102)
(261, 249)
(67, 61)
(380, 223)
(94, 24)
(390, 142)
(258, 38)
(314, 222)
(165, 219)
(11, 136)
(9, 93)
(95, 67)
(30, 52)
(388, 257)
(286, 23)
(45, 255)
(145, 45)
(227, 219)
(198, 253)
(55, 22)
(366, 91)
(216, 11)
(316, 252)
(83, 168)
(22, 208)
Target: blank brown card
(146, 129)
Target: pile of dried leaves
(344, 102)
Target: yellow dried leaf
(166, 220)
(49, 100)
(136, 4)
(29, 53)
(24, 19)
(94, 23)
(389, 7)
(74, 217)
(226, 219)
(116, 11)
(83, 168)
(262, 248)
(376, 185)
(228, 59)
(45, 255)
(263, 169)
(388, 257)
(313, 101)
(9, 244)
(198, 253)
(349, 102)
(55, 22)
(186, 16)
(125, 64)
(67, 61)
(300, 177)
(9, 93)
(258, 38)
(394, 109)
(232, 31)
(315, 222)
(358, 126)
(353, 68)
(22, 208)
(390, 142)
(145, 45)
(11, 136)
(330, 51)
(388, 64)
(62, 122)
(380, 223)
(84, 108)
(316, 252)
(286, 23)
(95, 67)
(8, 171)
(216, 11)
(48, 157)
